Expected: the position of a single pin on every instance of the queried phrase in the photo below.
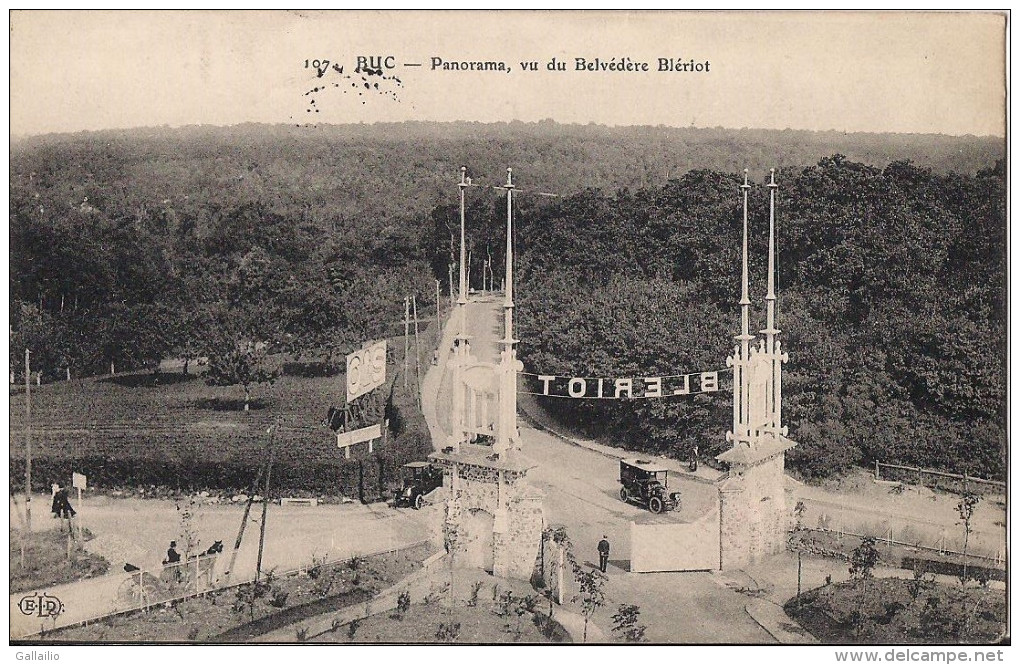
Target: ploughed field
(133, 430)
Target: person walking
(63, 503)
(55, 508)
(603, 553)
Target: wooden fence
(892, 528)
(951, 482)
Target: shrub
(475, 588)
(625, 623)
(863, 559)
(448, 632)
(921, 579)
(315, 570)
(504, 604)
(403, 605)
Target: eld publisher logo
(41, 605)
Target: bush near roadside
(899, 611)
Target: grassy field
(48, 564)
(172, 432)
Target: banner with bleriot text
(644, 387)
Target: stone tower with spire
(494, 517)
(753, 514)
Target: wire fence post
(140, 592)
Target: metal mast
(507, 432)
(772, 344)
(458, 434)
(743, 433)
(462, 300)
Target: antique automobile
(644, 482)
(417, 480)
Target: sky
(847, 71)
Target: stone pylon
(494, 518)
(753, 513)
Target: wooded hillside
(127, 247)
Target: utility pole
(452, 298)
(244, 522)
(407, 324)
(417, 351)
(439, 334)
(28, 455)
(488, 268)
(265, 499)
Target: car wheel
(623, 494)
(419, 501)
(655, 504)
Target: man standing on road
(603, 553)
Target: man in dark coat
(55, 508)
(63, 504)
(603, 553)
(171, 554)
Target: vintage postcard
(509, 327)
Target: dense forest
(128, 247)
(892, 299)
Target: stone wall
(518, 538)
(552, 562)
(517, 519)
(753, 513)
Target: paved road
(581, 493)
(138, 531)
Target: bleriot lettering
(645, 387)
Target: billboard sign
(366, 370)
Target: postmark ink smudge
(366, 80)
